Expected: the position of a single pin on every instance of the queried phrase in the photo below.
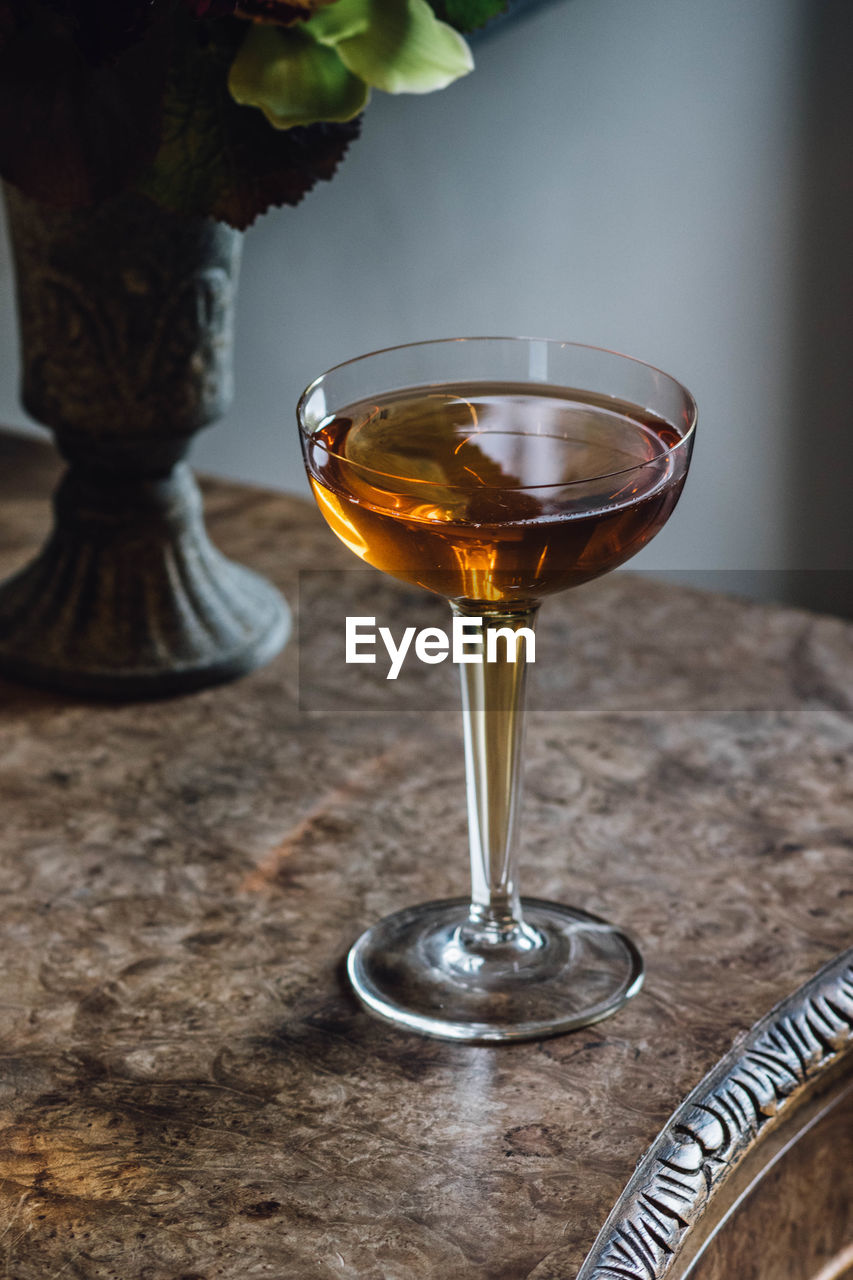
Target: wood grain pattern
(188, 1089)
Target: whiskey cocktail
(495, 472)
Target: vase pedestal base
(129, 598)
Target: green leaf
(405, 49)
(222, 160)
(293, 79)
(468, 15)
(339, 21)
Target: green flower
(324, 68)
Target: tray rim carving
(760, 1081)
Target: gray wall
(639, 174)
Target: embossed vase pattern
(126, 328)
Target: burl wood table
(190, 1093)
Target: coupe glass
(495, 471)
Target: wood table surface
(188, 1090)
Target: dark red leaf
(222, 159)
(211, 8)
(280, 12)
(73, 132)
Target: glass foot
(431, 969)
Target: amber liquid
(495, 494)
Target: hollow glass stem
(479, 969)
(493, 680)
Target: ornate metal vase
(126, 323)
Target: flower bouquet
(208, 107)
(137, 139)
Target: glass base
(434, 970)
